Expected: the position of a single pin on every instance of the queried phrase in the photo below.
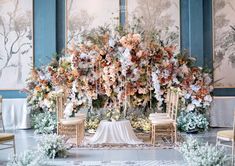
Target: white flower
(184, 69)
(190, 107)
(47, 103)
(195, 88)
(157, 89)
(83, 55)
(196, 102)
(68, 110)
(176, 81)
(207, 79)
(187, 96)
(206, 104)
(208, 98)
(111, 42)
(74, 87)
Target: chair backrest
(167, 101)
(173, 103)
(61, 100)
(60, 106)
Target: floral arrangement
(139, 121)
(40, 91)
(44, 123)
(192, 121)
(91, 124)
(197, 153)
(123, 69)
(28, 158)
(52, 146)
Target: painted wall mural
(16, 43)
(224, 43)
(84, 15)
(158, 15)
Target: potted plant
(192, 122)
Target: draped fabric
(119, 132)
(15, 114)
(221, 112)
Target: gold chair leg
(172, 135)
(77, 139)
(154, 135)
(175, 128)
(80, 133)
(83, 131)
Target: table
(15, 113)
(117, 132)
(221, 111)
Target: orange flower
(75, 73)
(38, 88)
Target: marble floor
(25, 139)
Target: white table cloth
(15, 114)
(119, 132)
(221, 112)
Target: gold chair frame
(227, 136)
(6, 137)
(71, 128)
(164, 126)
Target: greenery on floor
(197, 153)
(49, 146)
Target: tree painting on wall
(224, 43)
(15, 43)
(162, 16)
(84, 15)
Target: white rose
(47, 103)
(187, 96)
(195, 88)
(208, 98)
(68, 110)
(190, 107)
(197, 103)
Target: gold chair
(227, 136)
(164, 126)
(5, 138)
(71, 127)
(162, 115)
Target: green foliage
(189, 121)
(44, 123)
(197, 153)
(52, 146)
(28, 158)
(99, 102)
